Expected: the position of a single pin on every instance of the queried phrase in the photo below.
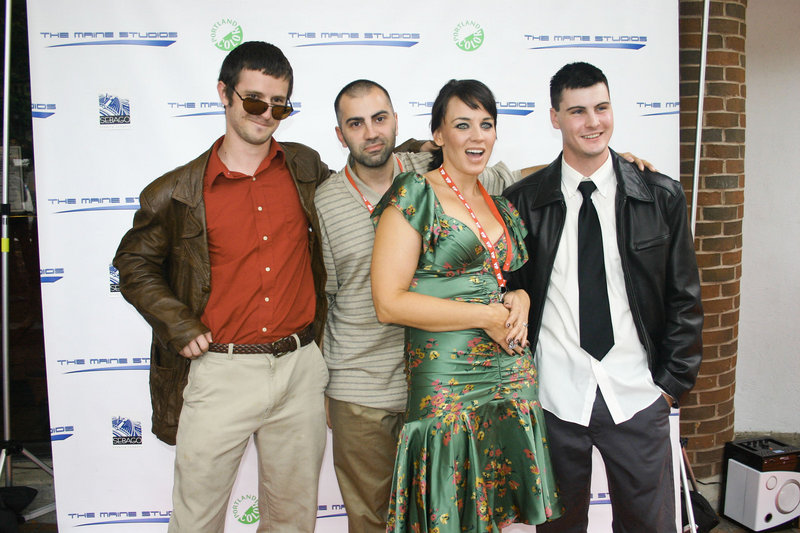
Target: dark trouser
(638, 459)
(364, 449)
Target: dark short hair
(472, 92)
(356, 88)
(577, 75)
(255, 55)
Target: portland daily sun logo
(468, 35)
(226, 34)
(114, 110)
(245, 509)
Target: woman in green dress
(473, 453)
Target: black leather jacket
(658, 262)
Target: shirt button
(266, 299)
(260, 208)
(268, 269)
(254, 178)
(264, 330)
(265, 237)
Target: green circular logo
(468, 35)
(245, 509)
(226, 34)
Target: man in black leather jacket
(619, 401)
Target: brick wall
(707, 411)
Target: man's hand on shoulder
(429, 146)
(197, 347)
(640, 163)
(527, 171)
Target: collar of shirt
(365, 189)
(604, 178)
(216, 168)
(569, 376)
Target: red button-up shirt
(262, 287)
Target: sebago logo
(226, 34)
(245, 509)
(468, 35)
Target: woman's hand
(518, 303)
(496, 328)
(394, 261)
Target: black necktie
(597, 334)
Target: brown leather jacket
(165, 271)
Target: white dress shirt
(568, 375)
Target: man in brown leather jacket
(224, 262)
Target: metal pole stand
(9, 447)
(9, 450)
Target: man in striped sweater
(366, 394)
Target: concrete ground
(27, 474)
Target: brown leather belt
(278, 348)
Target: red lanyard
(487, 242)
(367, 203)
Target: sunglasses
(254, 106)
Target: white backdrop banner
(125, 91)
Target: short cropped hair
(357, 88)
(255, 55)
(577, 75)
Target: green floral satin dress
(473, 454)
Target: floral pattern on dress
(473, 455)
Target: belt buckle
(288, 342)
(280, 354)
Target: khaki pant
(231, 397)
(364, 449)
